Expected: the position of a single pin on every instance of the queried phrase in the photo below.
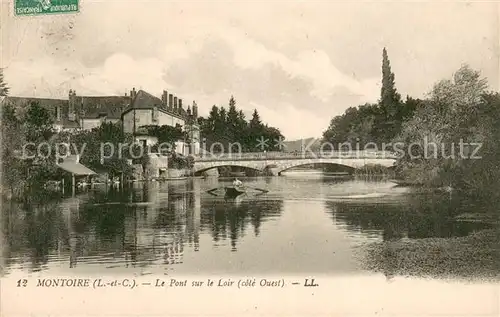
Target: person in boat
(237, 183)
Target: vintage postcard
(256, 158)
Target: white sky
(298, 63)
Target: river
(306, 223)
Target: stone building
(91, 111)
(77, 112)
(133, 111)
(57, 108)
(147, 110)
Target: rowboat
(234, 191)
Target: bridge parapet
(262, 156)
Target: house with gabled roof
(57, 108)
(133, 111)
(91, 111)
(147, 110)
(77, 112)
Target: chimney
(189, 111)
(164, 99)
(133, 93)
(72, 105)
(195, 109)
(170, 101)
(180, 105)
(175, 104)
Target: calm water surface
(306, 223)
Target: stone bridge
(277, 162)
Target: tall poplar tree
(389, 113)
(389, 97)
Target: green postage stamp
(41, 7)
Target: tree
(389, 97)
(241, 119)
(37, 127)
(12, 169)
(100, 147)
(243, 133)
(229, 127)
(389, 113)
(466, 89)
(212, 119)
(232, 113)
(221, 123)
(38, 123)
(368, 123)
(233, 133)
(4, 89)
(255, 122)
(355, 127)
(457, 102)
(166, 134)
(454, 114)
(255, 130)
(274, 136)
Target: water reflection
(230, 219)
(420, 236)
(410, 216)
(312, 225)
(147, 225)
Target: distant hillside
(298, 145)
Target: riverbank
(477, 254)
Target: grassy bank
(476, 256)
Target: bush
(373, 169)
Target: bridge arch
(279, 164)
(205, 167)
(286, 167)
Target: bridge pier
(271, 171)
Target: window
(154, 115)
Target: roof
(44, 102)
(92, 107)
(71, 164)
(86, 107)
(22, 103)
(144, 100)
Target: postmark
(44, 7)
